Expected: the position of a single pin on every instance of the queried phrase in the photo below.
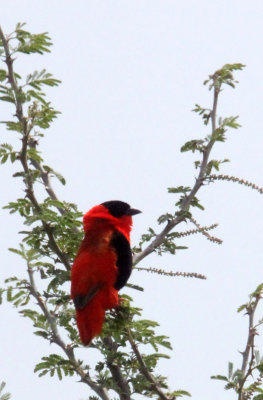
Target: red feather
(94, 271)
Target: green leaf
(258, 291)
(204, 112)
(4, 158)
(59, 373)
(165, 218)
(231, 122)
(219, 135)
(9, 294)
(136, 287)
(179, 189)
(258, 397)
(230, 370)
(179, 393)
(195, 203)
(37, 79)
(13, 156)
(56, 174)
(34, 155)
(36, 95)
(8, 99)
(214, 164)
(193, 145)
(32, 43)
(16, 251)
(220, 377)
(241, 308)
(3, 75)
(260, 367)
(59, 177)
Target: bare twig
(184, 207)
(144, 370)
(171, 273)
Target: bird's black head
(118, 208)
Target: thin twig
(187, 201)
(205, 233)
(144, 370)
(237, 180)
(194, 231)
(171, 273)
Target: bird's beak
(133, 211)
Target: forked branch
(184, 207)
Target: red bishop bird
(102, 266)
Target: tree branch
(144, 370)
(247, 367)
(184, 207)
(56, 338)
(11, 76)
(123, 386)
(23, 154)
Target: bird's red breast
(102, 265)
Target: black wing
(124, 258)
(80, 301)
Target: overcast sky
(131, 72)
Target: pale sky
(131, 72)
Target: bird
(102, 265)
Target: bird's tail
(90, 319)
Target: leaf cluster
(28, 43)
(64, 227)
(55, 363)
(119, 325)
(248, 380)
